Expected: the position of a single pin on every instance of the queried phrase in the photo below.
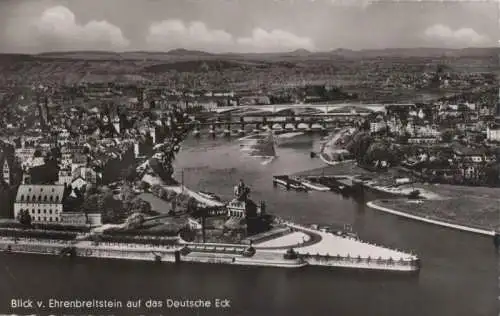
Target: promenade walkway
(333, 245)
(294, 239)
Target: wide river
(459, 274)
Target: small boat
(227, 132)
(311, 185)
(196, 132)
(210, 196)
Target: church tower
(6, 172)
(116, 124)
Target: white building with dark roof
(43, 202)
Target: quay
(340, 184)
(321, 249)
(287, 245)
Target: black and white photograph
(250, 157)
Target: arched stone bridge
(354, 108)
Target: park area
(461, 206)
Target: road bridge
(352, 108)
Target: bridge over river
(321, 108)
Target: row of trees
(91, 200)
(368, 151)
(180, 202)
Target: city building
(377, 126)
(43, 202)
(24, 154)
(78, 183)
(497, 106)
(89, 175)
(65, 177)
(493, 132)
(423, 140)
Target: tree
(138, 205)
(492, 174)
(479, 138)
(447, 135)
(144, 186)
(24, 218)
(178, 125)
(130, 173)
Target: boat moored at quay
(311, 185)
(289, 183)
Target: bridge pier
(227, 131)
(309, 125)
(241, 131)
(211, 131)
(196, 131)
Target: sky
(217, 26)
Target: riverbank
(445, 213)
(312, 247)
(178, 189)
(472, 209)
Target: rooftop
(40, 193)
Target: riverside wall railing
(360, 262)
(33, 245)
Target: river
(458, 277)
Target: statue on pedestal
(241, 191)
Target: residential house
(65, 176)
(377, 126)
(423, 140)
(493, 132)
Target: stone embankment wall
(431, 221)
(127, 251)
(363, 263)
(28, 245)
(410, 263)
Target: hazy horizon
(258, 26)
(249, 53)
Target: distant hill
(343, 66)
(184, 54)
(193, 66)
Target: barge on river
(288, 183)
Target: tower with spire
(116, 124)
(6, 172)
